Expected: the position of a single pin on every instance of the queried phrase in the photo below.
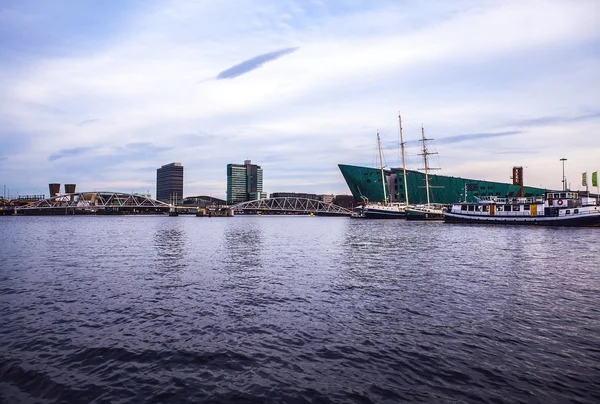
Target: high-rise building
(169, 183)
(244, 182)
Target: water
(295, 310)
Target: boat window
(471, 208)
(480, 208)
(500, 208)
(526, 207)
(568, 212)
(507, 208)
(486, 208)
(576, 211)
(563, 195)
(463, 207)
(516, 208)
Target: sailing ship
(387, 209)
(551, 209)
(429, 211)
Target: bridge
(289, 205)
(82, 203)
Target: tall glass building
(169, 183)
(244, 182)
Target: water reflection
(170, 243)
(243, 246)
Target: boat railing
(508, 201)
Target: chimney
(70, 189)
(54, 190)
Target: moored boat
(425, 212)
(551, 209)
(430, 211)
(385, 209)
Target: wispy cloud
(253, 63)
(553, 120)
(76, 151)
(514, 152)
(475, 136)
(87, 122)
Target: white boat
(551, 209)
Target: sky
(101, 93)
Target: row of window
(499, 208)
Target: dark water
(295, 310)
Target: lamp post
(563, 177)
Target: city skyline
(100, 94)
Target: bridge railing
(289, 204)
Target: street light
(563, 177)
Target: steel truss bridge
(94, 203)
(288, 205)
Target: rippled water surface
(296, 309)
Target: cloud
(475, 136)
(76, 151)
(253, 63)
(515, 152)
(552, 120)
(472, 72)
(87, 122)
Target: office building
(169, 183)
(244, 182)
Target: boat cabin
(563, 199)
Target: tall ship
(386, 209)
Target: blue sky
(102, 93)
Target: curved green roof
(365, 182)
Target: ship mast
(403, 161)
(427, 168)
(381, 165)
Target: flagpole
(587, 185)
(597, 184)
